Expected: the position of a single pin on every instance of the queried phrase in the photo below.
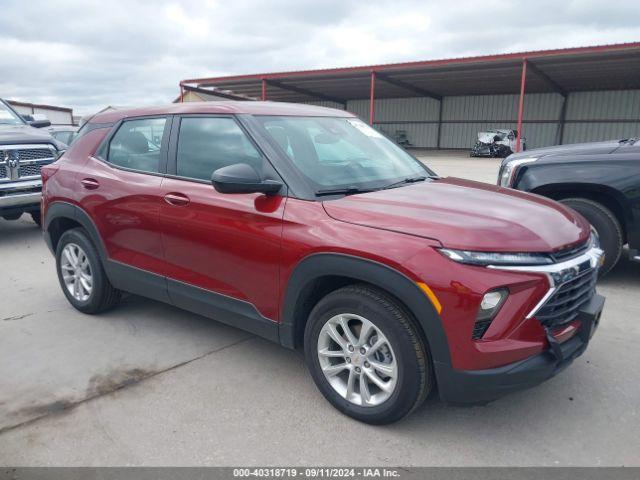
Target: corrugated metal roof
(605, 67)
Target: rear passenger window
(208, 143)
(137, 144)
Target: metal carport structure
(560, 71)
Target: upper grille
(29, 159)
(563, 306)
(26, 154)
(30, 170)
(570, 252)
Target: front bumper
(481, 386)
(20, 196)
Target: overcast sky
(86, 54)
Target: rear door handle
(89, 183)
(176, 199)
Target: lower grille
(3, 172)
(480, 328)
(563, 306)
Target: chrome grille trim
(29, 158)
(561, 273)
(564, 305)
(571, 252)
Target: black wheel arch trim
(318, 265)
(59, 209)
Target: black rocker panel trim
(135, 280)
(382, 276)
(228, 310)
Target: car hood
(466, 215)
(573, 149)
(13, 134)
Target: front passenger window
(137, 143)
(208, 143)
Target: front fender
(320, 265)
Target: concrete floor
(147, 384)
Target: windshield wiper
(630, 141)
(353, 189)
(405, 181)
(343, 191)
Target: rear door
(222, 250)
(121, 190)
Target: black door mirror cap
(242, 178)
(40, 123)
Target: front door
(222, 250)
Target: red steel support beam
(523, 84)
(263, 97)
(372, 99)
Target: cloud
(88, 54)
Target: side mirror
(37, 120)
(242, 178)
(40, 123)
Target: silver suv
(24, 149)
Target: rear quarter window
(137, 144)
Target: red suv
(306, 226)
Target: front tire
(366, 356)
(81, 274)
(606, 225)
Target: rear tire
(400, 364)
(606, 225)
(83, 281)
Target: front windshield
(334, 153)
(8, 117)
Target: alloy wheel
(357, 360)
(76, 272)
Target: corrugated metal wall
(590, 116)
(609, 106)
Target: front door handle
(176, 199)
(89, 183)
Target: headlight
(509, 170)
(492, 258)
